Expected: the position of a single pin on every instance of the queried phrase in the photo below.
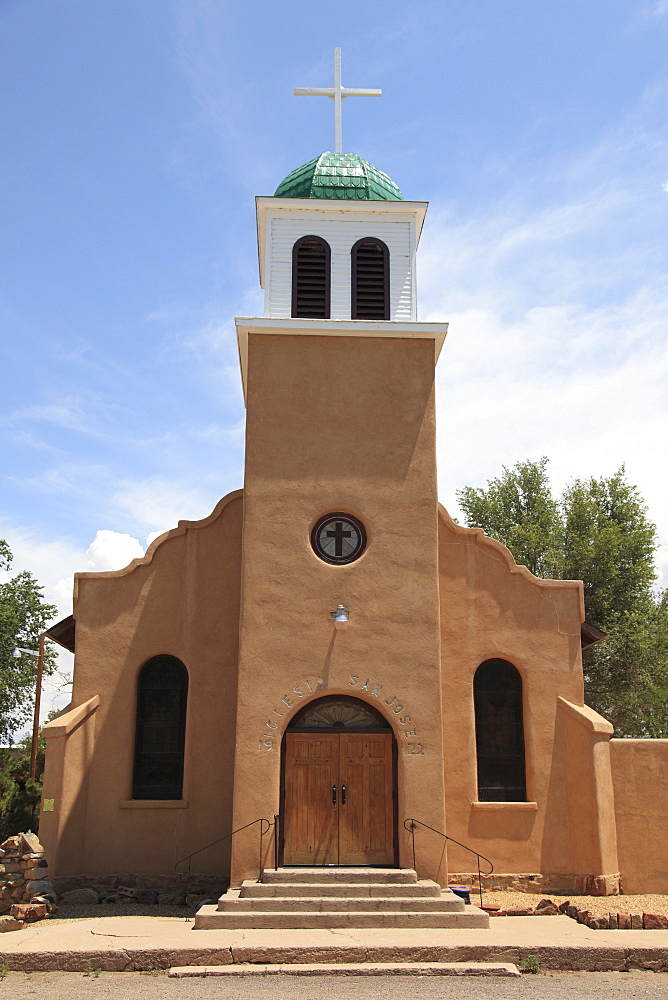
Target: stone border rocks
(615, 921)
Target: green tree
(609, 544)
(19, 794)
(597, 532)
(518, 508)
(24, 614)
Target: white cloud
(557, 340)
(162, 501)
(112, 550)
(66, 412)
(586, 388)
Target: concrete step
(352, 969)
(446, 903)
(417, 890)
(323, 876)
(208, 917)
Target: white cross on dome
(337, 93)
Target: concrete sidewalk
(136, 943)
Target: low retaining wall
(212, 886)
(557, 885)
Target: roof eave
(266, 203)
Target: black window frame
(499, 732)
(354, 279)
(342, 560)
(298, 275)
(153, 734)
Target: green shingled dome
(339, 177)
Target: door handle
(333, 795)
(343, 795)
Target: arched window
(339, 712)
(311, 269)
(370, 280)
(162, 692)
(499, 731)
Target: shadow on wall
(559, 825)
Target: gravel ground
(156, 986)
(599, 905)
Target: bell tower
(340, 504)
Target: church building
(327, 666)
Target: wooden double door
(339, 799)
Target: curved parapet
(479, 538)
(145, 560)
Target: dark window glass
(338, 538)
(497, 692)
(161, 728)
(370, 280)
(310, 278)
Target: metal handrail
(261, 820)
(277, 837)
(411, 830)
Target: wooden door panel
(310, 823)
(366, 820)
(377, 817)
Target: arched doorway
(338, 785)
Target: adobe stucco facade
(341, 418)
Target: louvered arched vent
(310, 278)
(370, 283)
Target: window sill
(154, 804)
(505, 806)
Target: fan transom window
(339, 713)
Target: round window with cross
(338, 538)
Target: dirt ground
(598, 905)
(156, 986)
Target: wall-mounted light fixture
(340, 617)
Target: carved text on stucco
(304, 688)
(300, 690)
(396, 706)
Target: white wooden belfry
(337, 93)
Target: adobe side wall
(492, 608)
(640, 779)
(181, 599)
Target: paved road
(148, 986)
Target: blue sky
(136, 135)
